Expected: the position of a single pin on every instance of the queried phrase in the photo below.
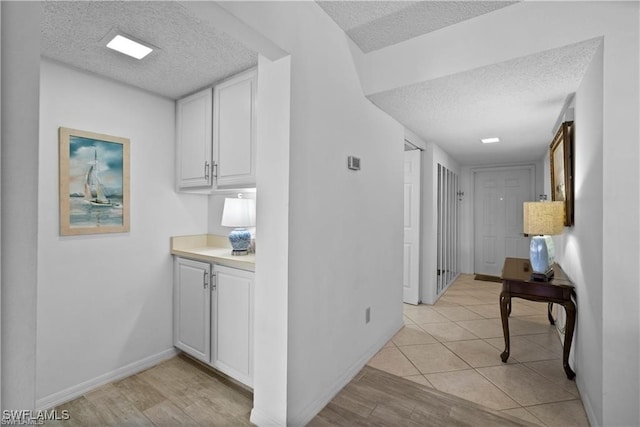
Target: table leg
(549, 315)
(505, 303)
(570, 310)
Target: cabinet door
(192, 308)
(232, 349)
(193, 140)
(234, 131)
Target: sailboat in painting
(94, 191)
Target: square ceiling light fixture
(490, 140)
(128, 45)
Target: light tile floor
(455, 346)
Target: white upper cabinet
(216, 136)
(193, 140)
(234, 131)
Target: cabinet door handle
(206, 170)
(204, 279)
(213, 281)
(215, 170)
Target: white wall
(105, 301)
(0, 211)
(272, 250)
(20, 87)
(345, 248)
(621, 232)
(433, 156)
(580, 248)
(345, 227)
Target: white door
(192, 309)
(499, 195)
(193, 130)
(232, 323)
(234, 131)
(411, 276)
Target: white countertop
(212, 249)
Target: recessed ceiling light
(126, 45)
(490, 140)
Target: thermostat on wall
(354, 163)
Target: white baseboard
(307, 413)
(78, 390)
(586, 403)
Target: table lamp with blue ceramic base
(239, 213)
(542, 220)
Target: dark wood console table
(516, 282)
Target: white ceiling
(518, 101)
(373, 25)
(192, 54)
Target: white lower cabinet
(232, 323)
(192, 308)
(213, 316)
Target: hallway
(455, 345)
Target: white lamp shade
(239, 213)
(543, 218)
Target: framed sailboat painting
(94, 183)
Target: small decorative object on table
(542, 220)
(239, 213)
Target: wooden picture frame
(561, 157)
(94, 183)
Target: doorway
(498, 197)
(412, 202)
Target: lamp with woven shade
(542, 220)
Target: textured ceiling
(518, 101)
(373, 25)
(192, 54)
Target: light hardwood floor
(177, 392)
